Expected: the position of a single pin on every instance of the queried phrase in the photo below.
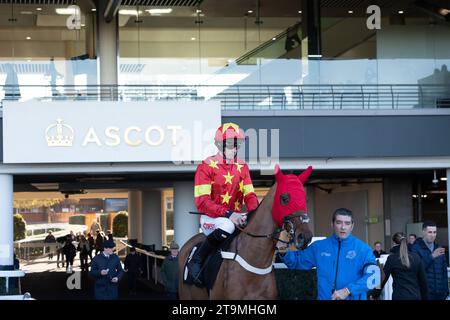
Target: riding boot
(212, 243)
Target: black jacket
(435, 268)
(408, 283)
(133, 263)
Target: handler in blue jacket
(107, 271)
(346, 266)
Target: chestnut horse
(251, 275)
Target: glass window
(45, 45)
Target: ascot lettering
(133, 136)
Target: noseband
(291, 221)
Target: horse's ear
(305, 175)
(278, 174)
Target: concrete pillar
(151, 218)
(6, 222)
(398, 207)
(185, 225)
(311, 27)
(135, 215)
(448, 208)
(107, 46)
(310, 205)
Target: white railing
(148, 254)
(7, 274)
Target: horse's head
(289, 208)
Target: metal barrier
(252, 97)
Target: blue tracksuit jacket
(340, 264)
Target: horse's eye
(285, 198)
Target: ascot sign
(92, 131)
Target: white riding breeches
(209, 224)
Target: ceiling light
(350, 11)
(93, 9)
(299, 11)
(193, 38)
(274, 39)
(26, 12)
(66, 11)
(444, 179)
(250, 11)
(130, 12)
(441, 200)
(38, 9)
(83, 25)
(28, 38)
(198, 11)
(159, 11)
(401, 12)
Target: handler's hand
(340, 294)
(114, 280)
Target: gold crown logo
(59, 134)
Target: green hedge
(120, 225)
(20, 227)
(77, 220)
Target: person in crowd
(342, 261)
(107, 271)
(169, 272)
(99, 242)
(83, 248)
(109, 235)
(412, 238)
(70, 252)
(91, 243)
(50, 238)
(406, 268)
(434, 261)
(133, 268)
(60, 258)
(378, 251)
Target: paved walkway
(45, 281)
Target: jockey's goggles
(232, 143)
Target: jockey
(222, 183)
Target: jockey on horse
(222, 183)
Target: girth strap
(244, 264)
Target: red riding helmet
(229, 131)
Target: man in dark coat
(133, 267)
(107, 271)
(433, 259)
(50, 238)
(169, 272)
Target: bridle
(290, 223)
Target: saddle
(211, 265)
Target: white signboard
(5, 251)
(106, 131)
